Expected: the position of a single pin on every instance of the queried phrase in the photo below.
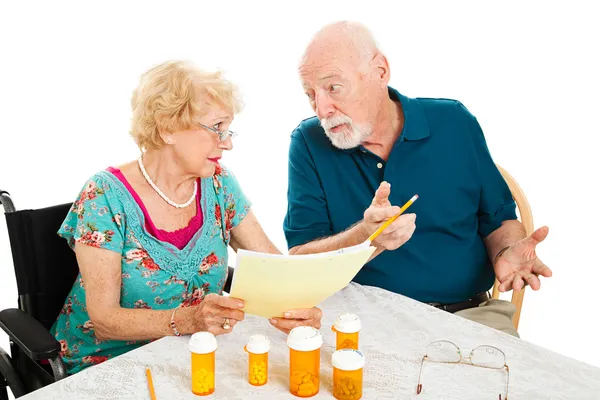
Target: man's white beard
(345, 140)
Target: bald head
(345, 77)
(345, 40)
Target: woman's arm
(101, 273)
(249, 235)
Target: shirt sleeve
(307, 215)
(496, 203)
(234, 203)
(96, 218)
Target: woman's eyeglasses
(223, 135)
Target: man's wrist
(363, 231)
(499, 255)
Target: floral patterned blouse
(155, 274)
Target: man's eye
(310, 96)
(335, 88)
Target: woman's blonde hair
(167, 100)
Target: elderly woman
(151, 236)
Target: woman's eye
(217, 127)
(335, 88)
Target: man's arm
(515, 261)
(509, 233)
(513, 255)
(307, 225)
(353, 236)
(394, 236)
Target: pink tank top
(179, 238)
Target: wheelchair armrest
(6, 202)
(29, 334)
(227, 287)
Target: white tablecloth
(396, 332)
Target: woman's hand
(217, 314)
(293, 318)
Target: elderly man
(370, 149)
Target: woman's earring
(168, 140)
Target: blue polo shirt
(442, 156)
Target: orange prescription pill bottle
(346, 326)
(348, 367)
(305, 344)
(258, 347)
(203, 346)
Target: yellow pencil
(389, 221)
(150, 385)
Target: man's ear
(382, 66)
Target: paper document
(272, 284)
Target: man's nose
(324, 107)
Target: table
(396, 332)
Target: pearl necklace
(161, 194)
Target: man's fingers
(534, 282)
(506, 282)
(518, 284)
(538, 236)
(397, 238)
(512, 281)
(378, 215)
(382, 194)
(403, 222)
(541, 269)
(502, 288)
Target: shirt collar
(415, 122)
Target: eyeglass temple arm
(419, 386)
(507, 378)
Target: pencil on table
(150, 384)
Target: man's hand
(294, 318)
(399, 231)
(519, 264)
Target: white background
(529, 73)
